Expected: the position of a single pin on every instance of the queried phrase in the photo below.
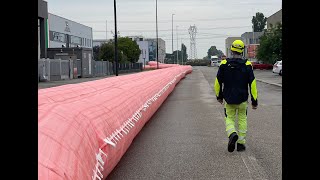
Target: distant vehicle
(218, 62)
(261, 65)
(277, 68)
(214, 60)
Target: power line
(216, 37)
(138, 30)
(168, 21)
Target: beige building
(229, 41)
(274, 19)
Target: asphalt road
(186, 138)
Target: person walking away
(234, 79)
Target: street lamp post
(177, 46)
(115, 38)
(157, 33)
(172, 37)
(106, 31)
(181, 53)
(144, 58)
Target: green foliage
(270, 48)
(96, 51)
(128, 51)
(259, 22)
(198, 62)
(172, 58)
(129, 48)
(107, 52)
(213, 51)
(169, 59)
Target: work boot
(241, 147)
(232, 141)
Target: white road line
(248, 169)
(254, 169)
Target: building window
(56, 36)
(75, 40)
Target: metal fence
(43, 70)
(57, 69)
(54, 69)
(103, 68)
(129, 67)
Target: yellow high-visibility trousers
(230, 117)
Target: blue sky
(215, 19)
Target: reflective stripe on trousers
(230, 113)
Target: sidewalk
(268, 82)
(49, 84)
(267, 76)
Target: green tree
(205, 58)
(175, 56)
(259, 22)
(169, 59)
(213, 51)
(184, 53)
(96, 51)
(172, 58)
(129, 48)
(270, 48)
(128, 51)
(107, 52)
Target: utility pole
(172, 37)
(157, 33)
(144, 58)
(106, 31)
(253, 40)
(115, 37)
(181, 52)
(177, 45)
(193, 49)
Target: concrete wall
(42, 9)
(274, 19)
(251, 37)
(42, 29)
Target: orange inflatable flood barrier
(153, 65)
(84, 129)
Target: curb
(275, 84)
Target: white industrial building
(144, 47)
(66, 33)
(153, 48)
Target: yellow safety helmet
(237, 46)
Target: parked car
(261, 65)
(218, 63)
(277, 68)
